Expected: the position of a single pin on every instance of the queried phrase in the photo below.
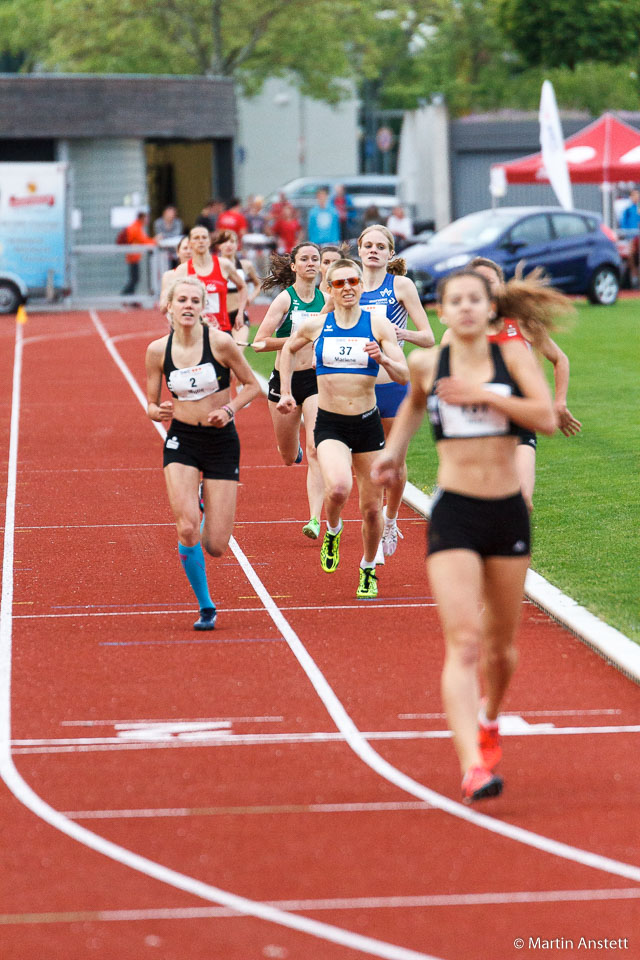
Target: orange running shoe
(479, 783)
(489, 743)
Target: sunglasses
(339, 284)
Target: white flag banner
(552, 143)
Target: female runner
(525, 328)
(350, 345)
(225, 244)
(387, 290)
(478, 394)
(214, 272)
(196, 362)
(297, 273)
(329, 253)
(183, 254)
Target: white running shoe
(379, 555)
(390, 536)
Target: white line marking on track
(148, 613)
(130, 723)
(521, 713)
(336, 903)
(371, 807)
(30, 799)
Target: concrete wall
(283, 135)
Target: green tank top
(299, 311)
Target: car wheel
(10, 297)
(604, 286)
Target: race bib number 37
(345, 352)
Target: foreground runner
(478, 394)
(196, 362)
(350, 347)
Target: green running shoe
(368, 586)
(330, 551)
(311, 529)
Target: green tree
(563, 33)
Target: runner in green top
(298, 301)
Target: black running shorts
(213, 450)
(490, 528)
(362, 432)
(304, 383)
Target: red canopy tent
(606, 151)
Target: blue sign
(33, 222)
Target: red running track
(215, 758)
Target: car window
(375, 189)
(532, 230)
(310, 190)
(568, 225)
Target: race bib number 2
(345, 352)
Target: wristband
(229, 411)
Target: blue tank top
(342, 351)
(385, 295)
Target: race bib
(344, 352)
(300, 316)
(193, 383)
(475, 420)
(212, 303)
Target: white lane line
(371, 807)
(30, 799)
(386, 770)
(144, 723)
(162, 613)
(218, 739)
(337, 903)
(521, 713)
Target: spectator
(277, 206)
(345, 209)
(324, 223)
(256, 216)
(209, 215)
(630, 220)
(371, 216)
(400, 226)
(233, 219)
(168, 225)
(135, 233)
(287, 229)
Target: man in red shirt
(287, 229)
(135, 233)
(233, 219)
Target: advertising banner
(33, 222)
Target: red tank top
(509, 331)
(215, 308)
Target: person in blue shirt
(324, 222)
(630, 220)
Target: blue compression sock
(193, 562)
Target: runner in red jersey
(213, 272)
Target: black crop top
(453, 421)
(194, 383)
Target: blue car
(576, 250)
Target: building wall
(278, 123)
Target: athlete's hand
(567, 423)
(165, 411)
(384, 470)
(460, 392)
(372, 348)
(258, 345)
(218, 417)
(286, 403)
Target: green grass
(587, 502)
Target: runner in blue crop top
(386, 288)
(350, 346)
(478, 533)
(201, 437)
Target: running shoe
(390, 536)
(298, 459)
(201, 496)
(330, 551)
(479, 783)
(379, 560)
(311, 528)
(368, 586)
(207, 619)
(489, 743)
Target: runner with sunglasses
(350, 346)
(297, 273)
